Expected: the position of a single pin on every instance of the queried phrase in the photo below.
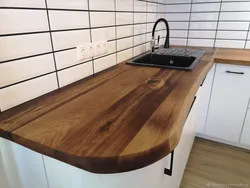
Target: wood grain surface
(233, 56)
(119, 120)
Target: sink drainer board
(176, 58)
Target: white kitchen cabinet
(62, 175)
(245, 137)
(229, 101)
(183, 149)
(22, 168)
(205, 93)
(3, 178)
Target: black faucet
(166, 45)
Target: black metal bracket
(170, 171)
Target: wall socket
(91, 50)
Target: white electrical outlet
(97, 47)
(91, 50)
(82, 53)
(100, 48)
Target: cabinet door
(23, 168)
(3, 177)
(205, 92)
(229, 100)
(245, 137)
(62, 175)
(183, 149)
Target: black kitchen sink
(166, 60)
(170, 58)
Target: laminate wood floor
(215, 165)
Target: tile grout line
(90, 35)
(52, 45)
(116, 33)
(133, 51)
(189, 20)
(217, 25)
(247, 36)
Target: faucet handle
(152, 44)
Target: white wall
(38, 41)
(211, 23)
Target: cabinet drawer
(245, 136)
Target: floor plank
(212, 164)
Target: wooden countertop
(233, 56)
(122, 119)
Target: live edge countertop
(122, 119)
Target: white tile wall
(209, 23)
(38, 40)
(38, 46)
(15, 21)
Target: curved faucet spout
(166, 45)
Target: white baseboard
(223, 141)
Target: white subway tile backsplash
(100, 19)
(234, 16)
(68, 19)
(140, 17)
(233, 26)
(140, 29)
(72, 4)
(104, 63)
(178, 25)
(17, 71)
(140, 6)
(75, 73)
(124, 43)
(202, 34)
(19, 46)
(130, 20)
(124, 31)
(103, 34)
(152, 7)
(124, 55)
(206, 7)
(177, 16)
(229, 44)
(236, 6)
(124, 18)
(69, 39)
(151, 17)
(22, 21)
(203, 25)
(248, 45)
(23, 92)
(178, 8)
(139, 39)
(23, 3)
(205, 1)
(124, 5)
(102, 5)
(201, 42)
(204, 16)
(161, 8)
(180, 34)
(138, 50)
(177, 1)
(231, 35)
(176, 41)
(67, 58)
